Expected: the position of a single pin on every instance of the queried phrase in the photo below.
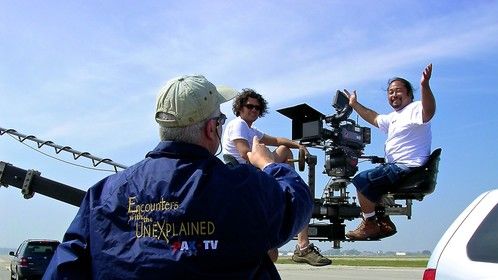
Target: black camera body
(343, 141)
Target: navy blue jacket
(181, 213)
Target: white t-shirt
(408, 137)
(238, 129)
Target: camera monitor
(341, 100)
(306, 122)
(342, 108)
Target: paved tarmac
(303, 271)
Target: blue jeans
(376, 182)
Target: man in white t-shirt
(237, 141)
(408, 145)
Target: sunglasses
(250, 107)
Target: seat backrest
(421, 181)
(230, 160)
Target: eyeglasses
(220, 120)
(250, 107)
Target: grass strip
(373, 261)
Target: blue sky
(85, 74)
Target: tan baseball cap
(189, 100)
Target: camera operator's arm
(243, 146)
(427, 99)
(278, 141)
(365, 113)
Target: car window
(40, 248)
(483, 245)
(21, 248)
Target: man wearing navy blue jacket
(181, 213)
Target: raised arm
(286, 198)
(427, 98)
(365, 113)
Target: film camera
(342, 141)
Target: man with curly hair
(248, 106)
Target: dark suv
(32, 258)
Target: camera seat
(421, 181)
(230, 160)
(416, 185)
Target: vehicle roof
(40, 240)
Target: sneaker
(387, 227)
(311, 255)
(368, 229)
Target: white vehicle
(469, 247)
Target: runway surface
(302, 271)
